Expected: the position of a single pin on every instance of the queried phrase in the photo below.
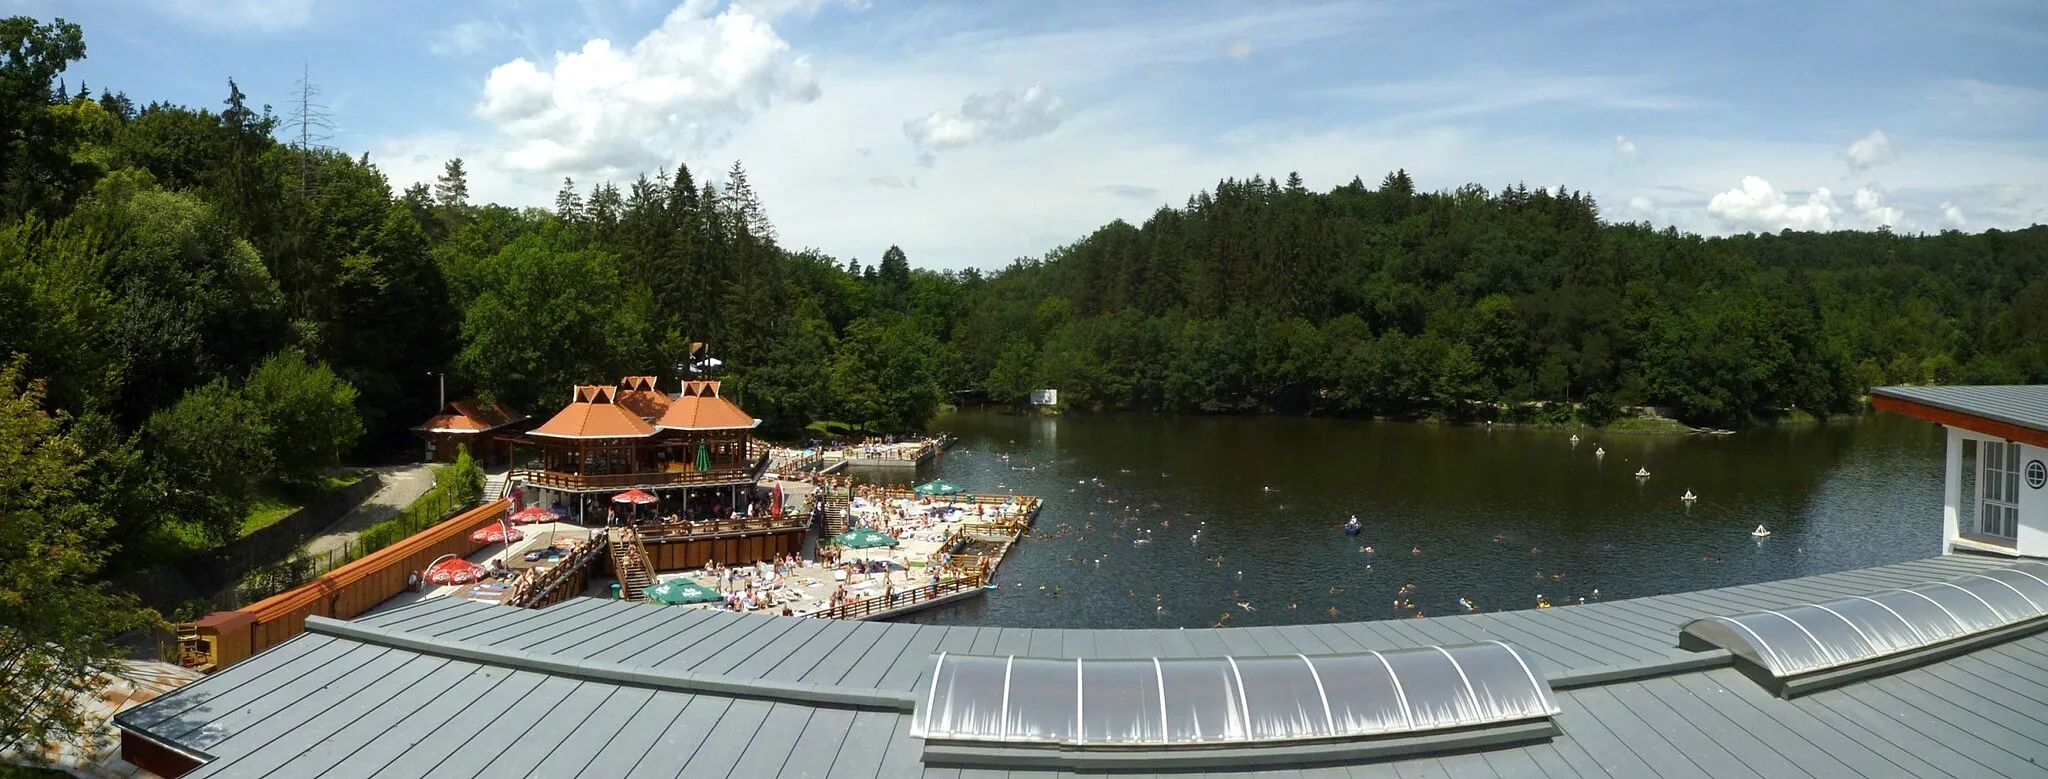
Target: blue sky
(974, 133)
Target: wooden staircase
(631, 564)
(835, 512)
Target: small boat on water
(1351, 528)
(1760, 532)
(1642, 473)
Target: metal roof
(591, 687)
(2025, 405)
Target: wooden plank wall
(344, 592)
(680, 555)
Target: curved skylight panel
(966, 696)
(1202, 701)
(1194, 701)
(1364, 698)
(1043, 701)
(1803, 639)
(1124, 704)
(1504, 685)
(1970, 611)
(1283, 698)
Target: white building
(1996, 488)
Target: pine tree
(451, 190)
(568, 204)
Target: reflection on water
(1494, 515)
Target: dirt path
(402, 485)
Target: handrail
(531, 588)
(878, 604)
(721, 527)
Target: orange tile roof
(595, 413)
(638, 394)
(469, 416)
(700, 408)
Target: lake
(1498, 516)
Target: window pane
(1043, 697)
(1362, 695)
(1281, 698)
(1966, 503)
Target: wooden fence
(223, 638)
(903, 599)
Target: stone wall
(213, 575)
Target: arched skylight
(1802, 640)
(1197, 701)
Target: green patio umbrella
(864, 538)
(681, 591)
(703, 456)
(938, 487)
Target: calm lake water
(1490, 510)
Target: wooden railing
(684, 531)
(536, 588)
(904, 598)
(721, 472)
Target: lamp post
(444, 388)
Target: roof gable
(595, 412)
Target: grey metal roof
(445, 688)
(2025, 405)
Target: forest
(200, 305)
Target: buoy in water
(1599, 451)
(1688, 497)
(1760, 532)
(1575, 438)
(1642, 473)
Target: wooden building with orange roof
(471, 423)
(695, 448)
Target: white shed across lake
(1996, 488)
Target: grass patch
(828, 428)
(424, 511)
(1645, 425)
(275, 502)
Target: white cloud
(985, 118)
(1870, 205)
(1869, 151)
(776, 9)
(1625, 148)
(1757, 205)
(255, 15)
(1238, 50)
(466, 38)
(613, 111)
(1953, 214)
(1643, 204)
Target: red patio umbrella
(635, 497)
(531, 515)
(454, 570)
(776, 508)
(496, 534)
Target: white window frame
(1999, 487)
